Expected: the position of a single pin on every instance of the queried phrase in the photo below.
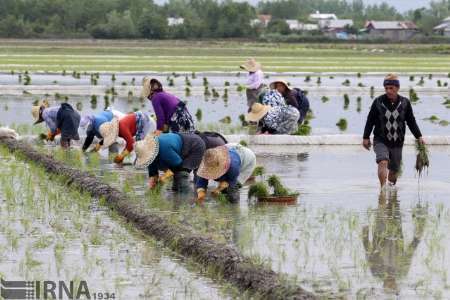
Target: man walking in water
(389, 114)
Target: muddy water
(343, 236)
(328, 111)
(49, 233)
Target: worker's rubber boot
(233, 194)
(181, 183)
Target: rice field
(142, 56)
(341, 239)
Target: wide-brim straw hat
(215, 163)
(145, 87)
(109, 132)
(283, 82)
(251, 65)
(257, 112)
(146, 151)
(36, 111)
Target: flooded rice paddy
(342, 238)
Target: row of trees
(202, 18)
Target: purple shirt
(164, 105)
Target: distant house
(336, 28)
(443, 28)
(262, 20)
(295, 25)
(391, 30)
(175, 21)
(317, 17)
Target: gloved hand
(201, 195)
(50, 136)
(119, 158)
(222, 186)
(157, 132)
(153, 182)
(166, 176)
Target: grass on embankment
(84, 55)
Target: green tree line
(116, 19)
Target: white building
(175, 21)
(443, 28)
(317, 17)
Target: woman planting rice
(293, 96)
(104, 126)
(61, 119)
(171, 113)
(230, 165)
(255, 86)
(274, 116)
(133, 127)
(177, 154)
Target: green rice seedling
(432, 118)
(240, 88)
(225, 120)
(413, 95)
(193, 75)
(93, 101)
(205, 81)
(113, 77)
(225, 94)
(346, 101)
(66, 98)
(124, 83)
(130, 96)
(63, 73)
(12, 72)
(79, 106)
(207, 92)
(422, 160)
(358, 75)
(411, 78)
(187, 91)
(199, 115)
(187, 82)
(243, 121)
(325, 99)
(319, 81)
(307, 78)
(259, 171)
(171, 82)
(27, 80)
(20, 78)
(227, 83)
(342, 124)
(346, 82)
(358, 104)
(303, 129)
(6, 107)
(278, 188)
(215, 94)
(243, 143)
(430, 76)
(372, 92)
(444, 123)
(107, 103)
(258, 190)
(446, 102)
(445, 84)
(360, 84)
(439, 83)
(421, 81)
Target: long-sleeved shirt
(164, 105)
(231, 176)
(169, 155)
(127, 130)
(374, 120)
(49, 115)
(93, 129)
(255, 80)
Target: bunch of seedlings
(422, 160)
(271, 190)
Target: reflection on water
(388, 254)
